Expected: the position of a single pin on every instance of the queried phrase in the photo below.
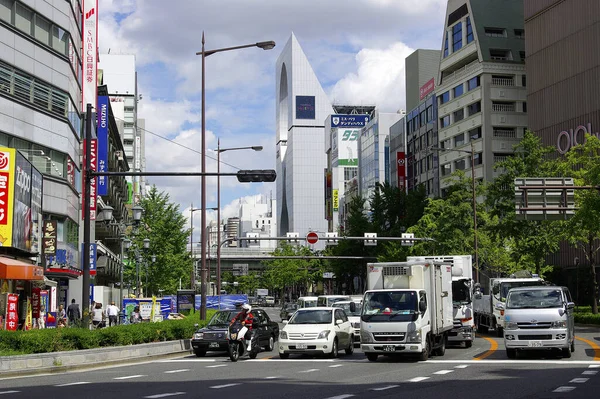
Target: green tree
(281, 274)
(583, 164)
(163, 223)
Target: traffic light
(256, 176)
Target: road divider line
(594, 346)
(176, 371)
(461, 366)
(128, 377)
(385, 388)
(589, 363)
(590, 372)
(68, 384)
(224, 386)
(164, 395)
(491, 351)
(336, 365)
(188, 360)
(272, 378)
(418, 379)
(216, 365)
(8, 392)
(564, 389)
(308, 371)
(579, 380)
(442, 372)
(341, 396)
(594, 366)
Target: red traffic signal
(256, 176)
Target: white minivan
(307, 302)
(329, 300)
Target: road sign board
(312, 238)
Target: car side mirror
(422, 306)
(339, 321)
(352, 307)
(500, 306)
(570, 305)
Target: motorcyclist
(247, 319)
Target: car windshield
(346, 307)
(390, 305)
(506, 286)
(222, 318)
(311, 317)
(461, 291)
(310, 303)
(290, 306)
(534, 299)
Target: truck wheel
(499, 331)
(573, 345)
(566, 353)
(372, 356)
(426, 352)
(511, 353)
(441, 350)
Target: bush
(587, 318)
(66, 339)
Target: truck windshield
(461, 292)
(506, 286)
(390, 305)
(534, 299)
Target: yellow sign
(336, 200)
(7, 192)
(29, 317)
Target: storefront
(19, 280)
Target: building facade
(481, 86)
(420, 69)
(257, 220)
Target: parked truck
(462, 297)
(487, 315)
(407, 309)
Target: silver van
(539, 318)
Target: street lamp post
(475, 246)
(219, 151)
(193, 273)
(205, 53)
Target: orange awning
(12, 269)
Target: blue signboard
(222, 301)
(305, 107)
(93, 249)
(349, 120)
(102, 133)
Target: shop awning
(12, 269)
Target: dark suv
(213, 337)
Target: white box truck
(407, 309)
(462, 297)
(487, 314)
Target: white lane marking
(299, 360)
(176, 371)
(579, 380)
(461, 366)
(308, 371)
(336, 365)
(594, 366)
(2, 393)
(216, 365)
(224, 386)
(418, 379)
(590, 372)
(189, 360)
(73, 383)
(341, 396)
(564, 389)
(442, 372)
(384, 388)
(164, 395)
(128, 377)
(274, 377)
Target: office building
(481, 86)
(257, 220)
(420, 70)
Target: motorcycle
(238, 343)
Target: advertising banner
(36, 210)
(349, 121)
(336, 200)
(70, 171)
(162, 308)
(49, 238)
(90, 53)
(12, 312)
(401, 169)
(7, 190)
(36, 302)
(221, 301)
(21, 238)
(426, 88)
(93, 257)
(93, 186)
(44, 306)
(305, 107)
(102, 134)
(347, 146)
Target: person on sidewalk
(113, 314)
(61, 315)
(97, 316)
(73, 313)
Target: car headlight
(282, 335)
(559, 324)
(199, 336)
(366, 337)
(324, 334)
(414, 337)
(511, 325)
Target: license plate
(389, 348)
(213, 345)
(535, 344)
(301, 346)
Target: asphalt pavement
(482, 370)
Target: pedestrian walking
(61, 315)
(97, 316)
(73, 312)
(113, 313)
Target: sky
(356, 48)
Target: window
(522, 55)
(42, 30)
(502, 106)
(474, 108)
(460, 164)
(458, 90)
(495, 32)
(446, 169)
(477, 158)
(475, 134)
(445, 121)
(520, 33)
(445, 143)
(23, 18)
(60, 39)
(459, 115)
(459, 140)
(445, 97)
(6, 10)
(429, 112)
(470, 36)
(473, 83)
(457, 37)
(525, 106)
(446, 46)
(500, 55)
(422, 119)
(505, 132)
(503, 80)
(524, 80)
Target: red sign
(93, 186)
(36, 294)
(427, 88)
(4, 197)
(12, 312)
(401, 169)
(312, 238)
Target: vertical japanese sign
(36, 304)
(93, 257)
(336, 200)
(93, 186)
(7, 190)
(21, 237)
(102, 134)
(70, 171)
(37, 189)
(49, 239)
(401, 169)
(90, 53)
(12, 315)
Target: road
(482, 370)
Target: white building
(257, 220)
(119, 75)
(301, 109)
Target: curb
(56, 362)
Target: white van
(328, 300)
(307, 302)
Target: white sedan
(316, 331)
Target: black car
(287, 311)
(213, 337)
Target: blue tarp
(226, 301)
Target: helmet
(247, 307)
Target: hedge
(584, 315)
(66, 339)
